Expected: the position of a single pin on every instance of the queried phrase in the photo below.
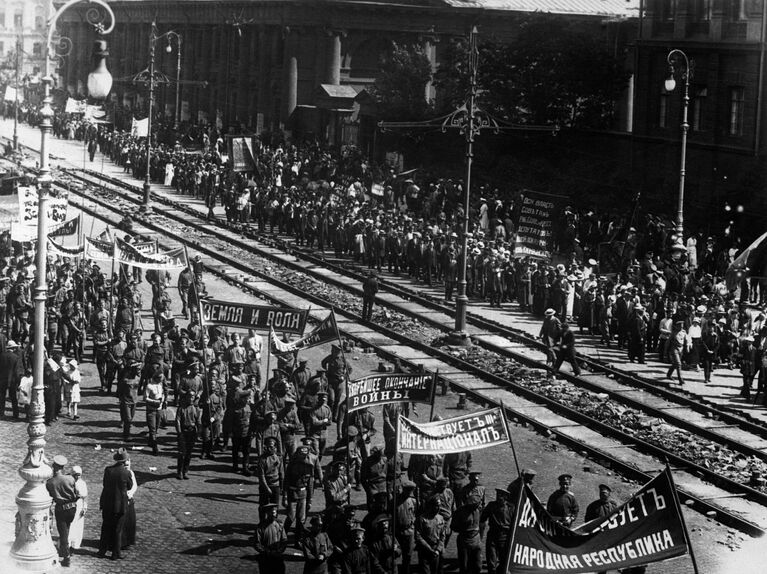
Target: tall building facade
(24, 22)
(724, 41)
(290, 64)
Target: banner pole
(511, 442)
(268, 363)
(518, 503)
(112, 289)
(346, 388)
(202, 328)
(394, 512)
(667, 470)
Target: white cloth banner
(140, 128)
(74, 106)
(56, 209)
(11, 94)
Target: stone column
(333, 58)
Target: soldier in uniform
(404, 516)
(562, 504)
(602, 507)
(456, 468)
(498, 515)
(356, 559)
(430, 529)
(270, 474)
(300, 377)
(127, 384)
(337, 486)
(527, 476)
(101, 341)
(321, 418)
(317, 548)
(445, 498)
(299, 475)
(238, 413)
(374, 474)
(337, 370)
(384, 549)
(270, 542)
(287, 419)
(466, 524)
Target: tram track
(215, 252)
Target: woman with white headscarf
(78, 524)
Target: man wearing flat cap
(498, 516)
(602, 507)
(526, 476)
(63, 491)
(270, 473)
(466, 523)
(562, 504)
(114, 505)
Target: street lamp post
(153, 38)
(169, 49)
(670, 84)
(19, 48)
(33, 548)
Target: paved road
(204, 524)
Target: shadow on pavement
(221, 497)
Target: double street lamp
(33, 548)
(673, 58)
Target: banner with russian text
(324, 332)
(473, 431)
(382, 389)
(55, 248)
(165, 260)
(241, 152)
(258, 317)
(69, 227)
(535, 224)
(28, 203)
(646, 529)
(98, 249)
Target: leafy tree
(400, 87)
(554, 71)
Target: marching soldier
(300, 377)
(356, 559)
(456, 468)
(374, 474)
(466, 524)
(321, 418)
(404, 516)
(317, 548)
(271, 542)
(299, 475)
(384, 549)
(337, 486)
(430, 542)
(270, 474)
(287, 419)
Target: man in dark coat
(567, 350)
(369, 290)
(114, 504)
(11, 370)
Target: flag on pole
(322, 333)
(69, 227)
(129, 255)
(648, 528)
(98, 249)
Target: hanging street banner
(166, 260)
(646, 529)
(382, 389)
(474, 431)
(55, 248)
(258, 317)
(324, 332)
(69, 227)
(99, 250)
(56, 208)
(534, 227)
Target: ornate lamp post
(33, 548)
(149, 74)
(672, 58)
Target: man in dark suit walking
(114, 504)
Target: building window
(737, 101)
(18, 20)
(735, 10)
(697, 102)
(666, 9)
(37, 49)
(701, 10)
(663, 109)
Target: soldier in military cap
(317, 548)
(466, 524)
(270, 542)
(562, 504)
(404, 517)
(300, 377)
(337, 487)
(63, 491)
(430, 538)
(337, 372)
(299, 475)
(270, 474)
(287, 419)
(498, 516)
(238, 414)
(602, 507)
(384, 549)
(321, 419)
(356, 559)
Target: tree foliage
(400, 87)
(555, 71)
